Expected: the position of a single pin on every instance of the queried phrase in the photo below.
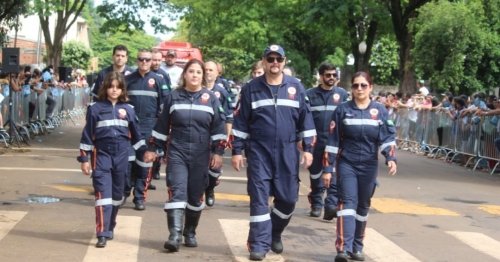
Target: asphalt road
(429, 211)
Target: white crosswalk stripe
(236, 232)
(8, 220)
(380, 248)
(124, 247)
(479, 241)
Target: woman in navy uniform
(359, 128)
(190, 128)
(111, 124)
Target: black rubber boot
(174, 219)
(191, 223)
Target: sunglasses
(363, 86)
(142, 59)
(330, 75)
(271, 59)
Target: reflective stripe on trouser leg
(281, 214)
(101, 180)
(362, 215)
(316, 179)
(213, 177)
(258, 186)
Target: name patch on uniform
(336, 98)
(204, 98)
(390, 123)
(374, 113)
(122, 113)
(291, 92)
(151, 82)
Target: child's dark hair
(108, 79)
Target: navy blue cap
(274, 49)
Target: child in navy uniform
(111, 125)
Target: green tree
(385, 59)
(10, 10)
(451, 43)
(76, 55)
(236, 62)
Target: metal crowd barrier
(465, 140)
(69, 104)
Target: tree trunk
(407, 77)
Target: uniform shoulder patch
(221, 109)
(307, 99)
(164, 87)
(390, 123)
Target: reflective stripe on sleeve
(103, 202)
(332, 149)
(307, 133)
(143, 164)
(260, 218)
(113, 122)
(281, 215)
(139, 144)
(159, 136)
(346, 212)
(384, 145)
(219, 136)
(240, 134)
(86, 147)
(175, 205)
(131, 158)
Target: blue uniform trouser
(213, 178)
(108, 178)
(272, 167)
(356, 185)
(318, 187)
(141, 172)
(187, 172)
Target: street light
(362, 50)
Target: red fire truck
(184, 50)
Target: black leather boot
(174, 219)
(209, 196)
(191, 223)
(101, 242)
(156, 170)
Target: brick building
(27, 51)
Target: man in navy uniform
(272, 114)
(145, 90)
(120, 58)
(324, 100)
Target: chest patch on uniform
(204, 98)
(122, 113)
(390, 123)
(217, 94)
(151, 82)
(336, 98)
(291, 92)
(374, 113)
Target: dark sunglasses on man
(271, 59)
(142, 59)
(334, 75)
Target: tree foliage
(76, 55)
(453, 42)
(10, 10)
(236, 62)
(385, 59)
